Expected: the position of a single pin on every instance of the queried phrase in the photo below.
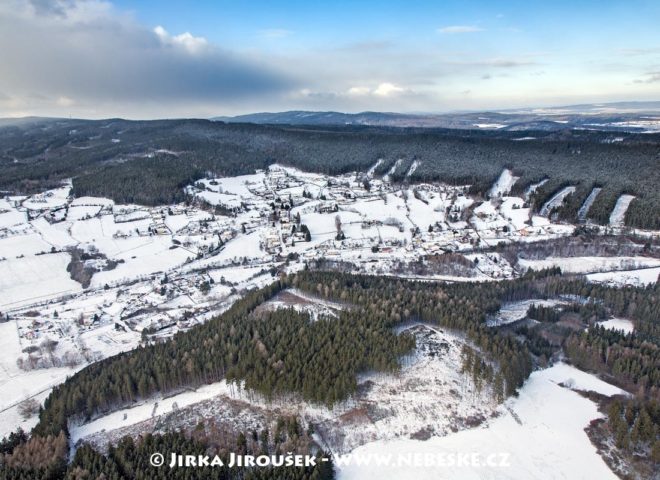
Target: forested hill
(621, 117)
(149, 162)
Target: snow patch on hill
(618, 214)
(622, 324)
(413, 167)
(429, 397)
(302, 302)
(533, 187)
(392, 169)
(584, 209)
(372, 169)
(514, 311)
(556, 200)
(503, 184)
(540, 433)
(145, 410)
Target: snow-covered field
(35, 278)
(512, 210)
(622, 324)
(539, 434)
(9, 219)
(640, 277)
(515, 311)
(591, 264)
(50, 199)
(17, 385)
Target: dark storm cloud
(83, 51)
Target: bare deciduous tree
(28, 407)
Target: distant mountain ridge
(619, 116)
(305, 117)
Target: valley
(329, 241)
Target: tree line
(44, 458)
(150, 162)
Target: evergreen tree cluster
(634, 425)
(568, 211)
(463, 307)
(273, 352)
(630, 360)
(130, 459)
(542, 313)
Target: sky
(204, 58)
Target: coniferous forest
(149, 162)
(283, 352)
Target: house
(299, 237)
(328, 207)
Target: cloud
(91, 59)
(385, 89)
(650, 77)
(451, 29)
(359, 91)
(185, 40)
(508, 63)
(50, 7)
(495, 62)
(378, 96)
(84, 54)
(65, 101)
(632, 52)
(275, 33)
